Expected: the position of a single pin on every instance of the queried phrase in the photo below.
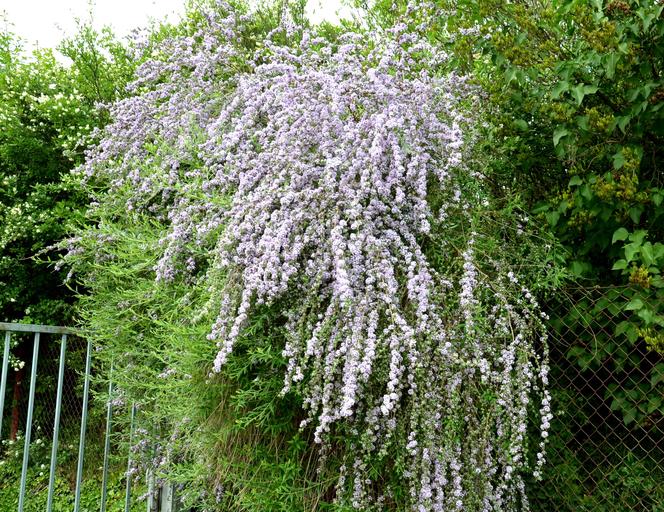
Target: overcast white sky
(44, 22)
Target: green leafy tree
(48, 112)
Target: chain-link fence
(606, 450)
(18, 385)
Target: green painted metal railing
(37, 331)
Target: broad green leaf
(635, 213)
(578, 93)
(634, 305)
(582, 122)
(575, 180)
(638, 236)
(610, 65)
(552, 218)
(581, 90)
(618, 160)
(521, 124)
(631, 250)
(558, 134)
(622, 122)
(630, 415)
(619, 265)
(657, 374)
(617, 403)
(559, 88)
(579, 268)
(619, 234)
(654, 404)
(647, 254)
(622, 327)
(647, 315)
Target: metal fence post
(28, 424)
(56, 424)
(107, 441)
(3, 378)
(131, 437)
(84, 420)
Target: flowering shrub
(332, 182)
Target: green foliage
(578, 91)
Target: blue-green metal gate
(49, 334)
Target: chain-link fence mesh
(18, 386)
(606, 444)
(606, 450)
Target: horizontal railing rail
(43, 329)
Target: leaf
(657, 375)
(521, 125)
(654, 404)
(647, 254)
(635, 213)
(582, 122)
(647, 315)
(559, 88)
(578, 93)
(619, 265)
(619, 234)
(622, 327)
(510, 74)
(623, 122)
(552, 218)
(638, 236)
(558, 134)
(634, 304)
(579, 268)
(631, 250)
(617, 403)
(618, 160)
(575, 180)
(630, 415)
(610, 64)
(581, 90)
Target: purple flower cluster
(307, 181)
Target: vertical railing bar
(84, 420)
(131, 438)
(56, 424)
(28, 425)
(3, 378)
(107, 441)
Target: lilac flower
(307, 183)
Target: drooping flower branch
(325, 179)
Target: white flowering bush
(332, 182)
